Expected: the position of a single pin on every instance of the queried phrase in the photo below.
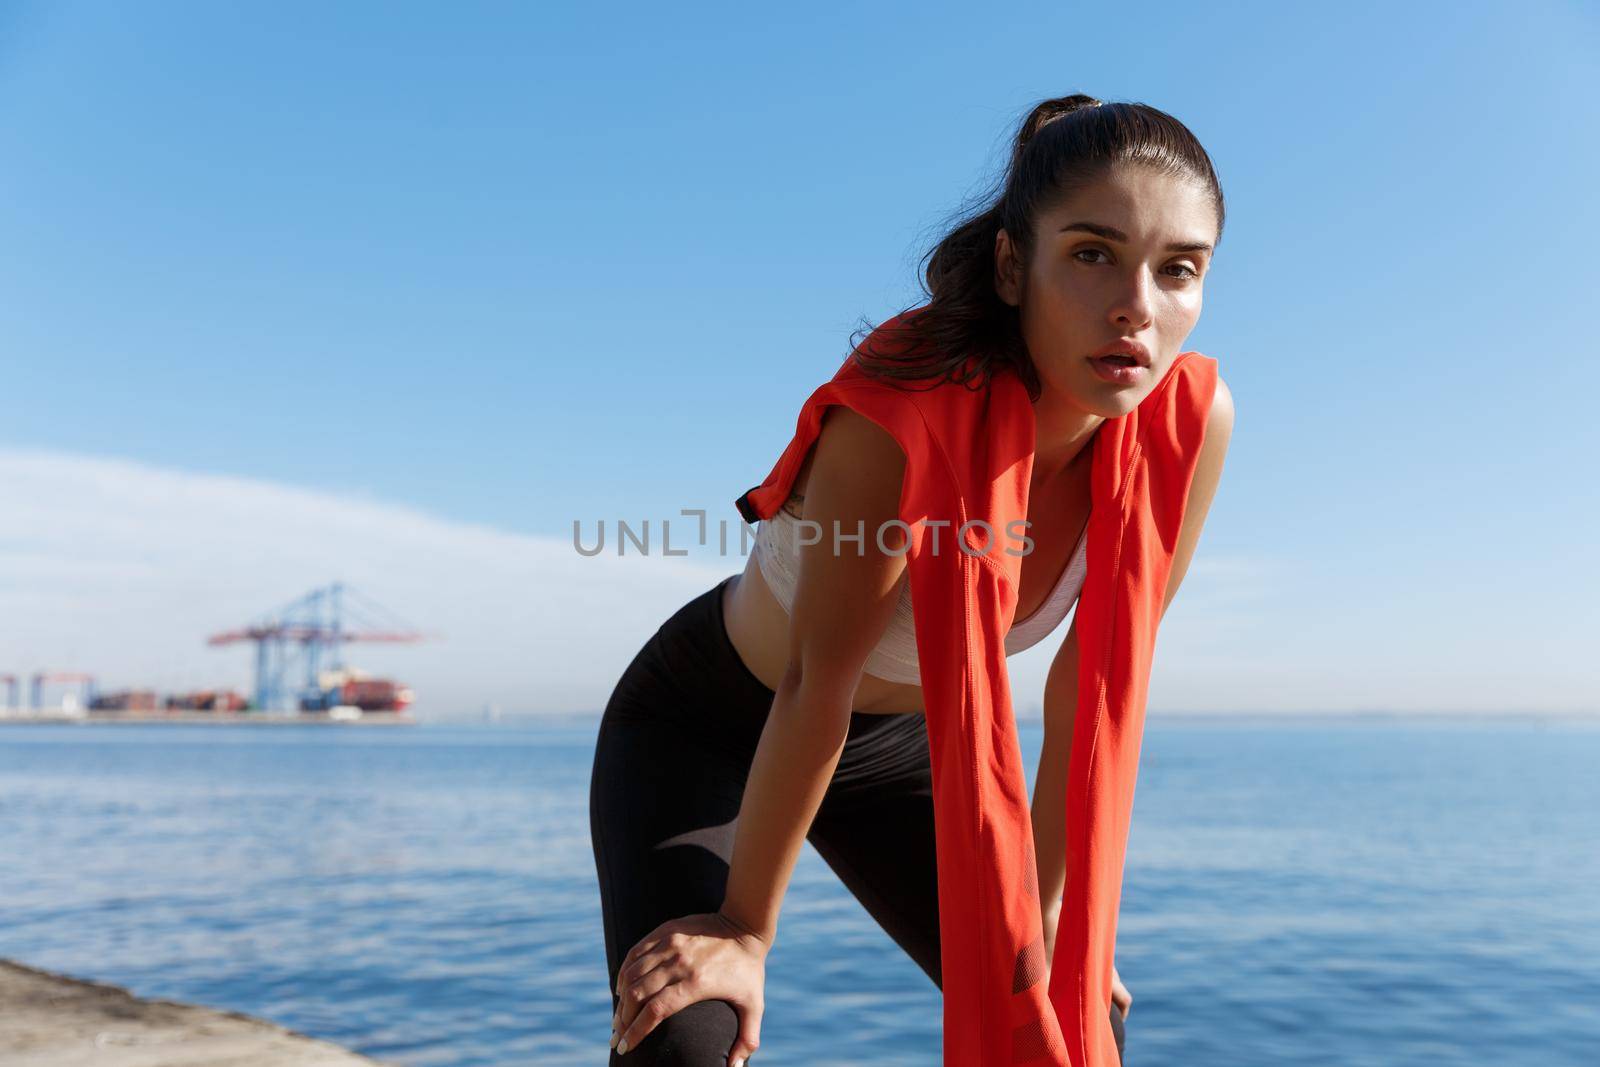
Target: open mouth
(1119, 368)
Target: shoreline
(207, 718)
(55, 1020)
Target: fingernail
(739, 1062)
(622, 1046)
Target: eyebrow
(1111, 233)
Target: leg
(671, 758)
(662, 839)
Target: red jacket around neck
(969, 456)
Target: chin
(1116, 405)
(1101, 398)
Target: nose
(1133, 308)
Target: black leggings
(674, 750)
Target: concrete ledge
(53, 1020)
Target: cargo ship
(149, 700)
(338, 695)
(351, 688)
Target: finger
(639, 992)
(644, 944)
(645, 964)
(749, 1036)
(650, 1014)
(622, 968)
(641, 959)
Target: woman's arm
(1050, 783)
(1061, 685)
(843, 603)
(1202, 487)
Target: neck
(1062, 435)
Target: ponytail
(965, 333)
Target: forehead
(1147, 205)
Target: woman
(784, 703)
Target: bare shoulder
(851, 433)
(1219, 431)
(850, 444)
(857, 471)
(1220, 420)
(1208, 465)
(1203, 488)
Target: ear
(1006, 269)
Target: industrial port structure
(300, 671)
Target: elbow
(793, 675)
(816, 694)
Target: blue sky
(395, 292)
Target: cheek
(1181, 311)
(1060, 302)
(1055, 327)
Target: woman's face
(1122, 259)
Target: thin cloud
(123, 569)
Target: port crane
(310, 634)
(41, 678)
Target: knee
(697, 1036)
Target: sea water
(1299, 890)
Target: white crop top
(777, 551)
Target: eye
(1188, 271)
(1089, 252)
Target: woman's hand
(684, 961)
(1119, 992)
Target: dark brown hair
(965, 331)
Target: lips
(1119, 368)
(1124, 352)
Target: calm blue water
(1355, 892)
